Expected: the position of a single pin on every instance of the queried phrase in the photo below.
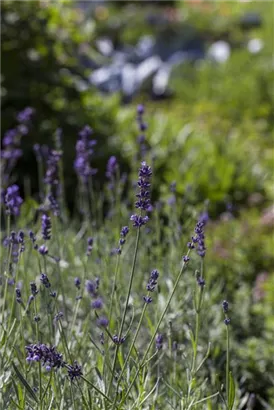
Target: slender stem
(130, 350)
(96, 388)
(106, 356)
(125, 310)
(114, 287)
(133, 342)
(227, 362)
(197, 326)
(157, 328)
(196, 342)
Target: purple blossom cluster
(74, 371)
(89, 246)
(46, 227)
(25, 115)
(16, 243)
(118, 341)
(47, 356)
(11, 149)
(122, 241)
(159, 341)
(143, 196)
(13, 200)
(50, 359)
(198, 242)
(225, 310)
(84, 151)
(52, 172)
(112, 166)
(152, 283)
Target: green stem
(227, 362)
(96, 389)
(114, 287)
(130, 350)
(196, 342)
(197, 327)
(157, 327)
(125, 310)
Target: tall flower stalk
(138, 220)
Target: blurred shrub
(46, 57)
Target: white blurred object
(128, 79)
(105, 46)
(255, 45)
(147, 68)
(219, 51)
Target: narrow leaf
(25, 383)
(231, 396)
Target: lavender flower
(97, 303)
(33, 288)
(225, 310)
(139, 220)
(122, 240)
(77, 282)
(89, 246)
(92, 287)
(43, 250)
(84, 152)
(143, 196)
(13, 201)
(159, 341)
(54, 206)
(25, 115)
(152, 280)
(47, 356)
(18, 295)
(118, 341)
(112, 166)
(200, 237)
(147, 299)
(21, 240)
(44, 280)
(58, 316)
(74, 371)
(201, 282)
(46, 227)
(52, 172)
(102, 321)
(225, 306)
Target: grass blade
(25, 383)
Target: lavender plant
(79, 331)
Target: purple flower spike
(84, 152)
(25, 115)
(13, 201)
(111, 167)
(46, 227)
(52, 172)
(159, 341)
(138, 220)
(143, 196)
(47, 356)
